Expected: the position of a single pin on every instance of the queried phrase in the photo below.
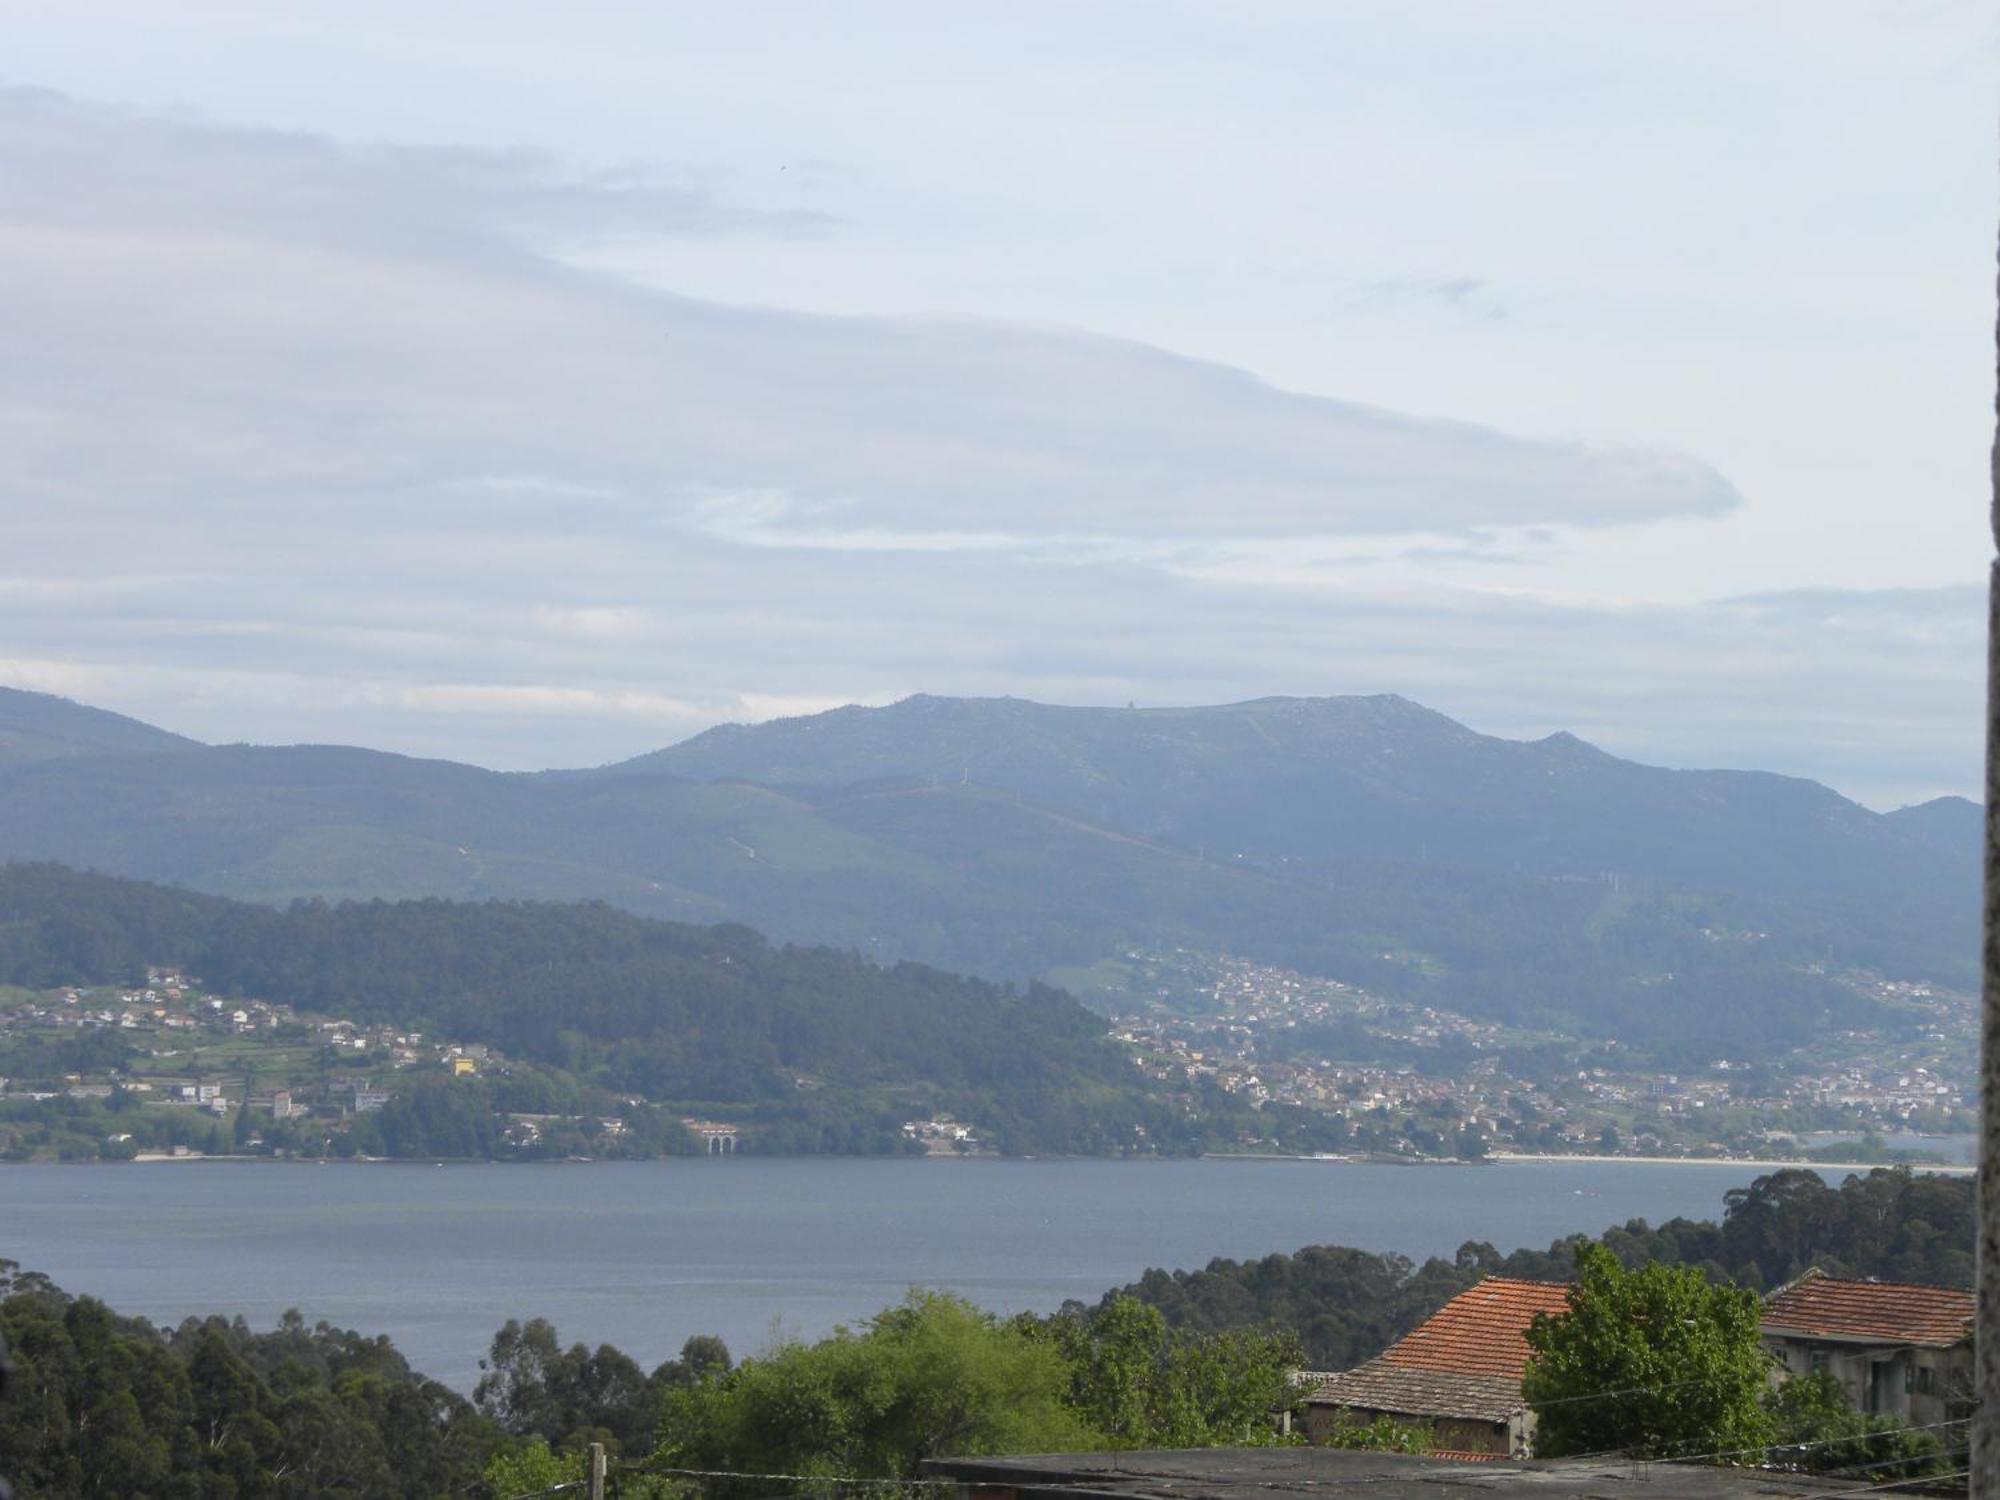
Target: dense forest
(823, 1049)
(1346, 1305)
(99, 1404)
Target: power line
(1693, 1458)
(1897, 1484)
(1944, 1456)
(642, 1467)
(1609, 1395)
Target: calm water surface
(643, 1254)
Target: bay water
(644, 1254)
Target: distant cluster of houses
(941, 1135)
(1897, 1349)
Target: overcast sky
(536, 385)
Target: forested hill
(710, 1016)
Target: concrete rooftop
(1330, 1473)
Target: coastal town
(165, 1068)
(179, 1072)
(1416, 1081)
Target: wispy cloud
(1465, 296)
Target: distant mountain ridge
(1373, 777)
(1367, 838)
(37, 726)
(1953, 825)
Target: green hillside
(808, 1040)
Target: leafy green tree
(532, 1468)
(930, 1376)
(1141, 1384)
(702, 1357)
(1657, 1361)
(534, 1387)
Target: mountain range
(1368, 838)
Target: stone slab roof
(1412, 1392)
(1889, 1312)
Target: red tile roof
(1482, 1331)
(1892, 1312)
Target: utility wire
(642, 1467)
(1951, 1455)
(1630, 1390)
(1897, 1484)
(1691, 1458)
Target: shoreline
(1497, 1158)
(1948, 1169)
(1518, 1158)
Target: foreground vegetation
(100, 1404)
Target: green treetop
(1657, 1361)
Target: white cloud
(274, 325)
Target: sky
(534, 385)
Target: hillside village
(192, 1073)
(179, 1072)
(1417, 1081)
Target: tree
(702, 1356)
(532, 1468)
(932, 1375)
(103, 1405)
(1656, 1361)
(534, 1387)
(1141, 1384)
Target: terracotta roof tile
(1822, 1306)
(1481, 1331)
(1407, 1392)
